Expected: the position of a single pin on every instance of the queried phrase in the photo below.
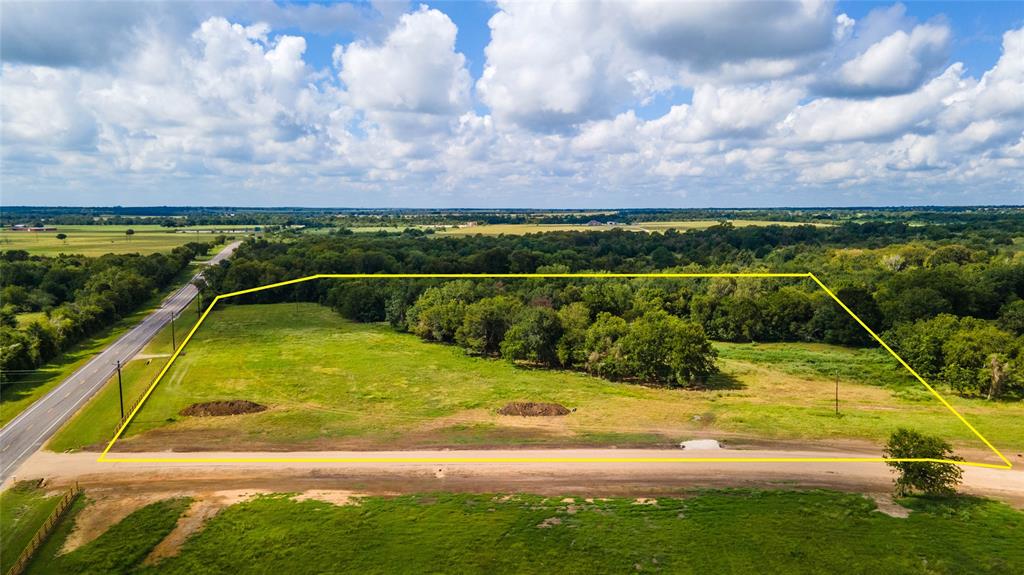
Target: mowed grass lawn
(734, 531)
(332, 384)
(99, 240)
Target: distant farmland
(99, 240)
(522, 229)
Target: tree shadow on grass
(15, 388)
(718, 382)
(944, 504)
(715, 382)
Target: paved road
(26, 433)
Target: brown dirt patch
(335, 496)
(205, 506)
(218, 408)
(532, 409)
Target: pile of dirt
(531, 409)
(217, 408)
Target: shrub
(928, 477)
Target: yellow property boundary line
(456, 459)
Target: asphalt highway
(25, 434)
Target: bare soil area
(555, 472)
(532, 409)
(220, 408)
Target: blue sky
(596, 104)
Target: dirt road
(431, 473)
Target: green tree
(951, 254)
(129, 233)
(920, 343)
(662, 257)
(15, 351)
(738, 319)
(913, 304)
(967, 353)
(662, 348)
(604, 357)
(929, 477)
(63, 238)
(8, 316)
(438, 312)
(358, 301)
(533, 336)
(1001, 372)
(612, 296)
(1011, 317)
(832, 324)
(485, 322)
(575, 319)
(786, 313)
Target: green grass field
(334, 384)
(872, 366)
(121, 549)
(99, 240)
(100, 417)
(16, 396)
(23, 509)
(732, 531)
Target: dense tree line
(892, 285)
(78, 296)
(542, 324)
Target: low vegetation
(928, 477)
(763, 531)
(24, 507)
(121, 549)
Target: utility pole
(120, 390)
(837, 393)
(174, 342)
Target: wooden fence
(44, 531)
(131, 408)
(128, 413)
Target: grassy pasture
(99, 240)
(23, 509)
(121, 549)
(333, 384)
(733, 531)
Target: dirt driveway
(496, 471)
